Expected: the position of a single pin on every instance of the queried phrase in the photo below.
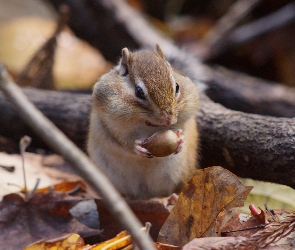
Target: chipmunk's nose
(167, 118)
(166, 122)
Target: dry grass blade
(270, 235)
(274, 232)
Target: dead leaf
(65, 186)
(70, 241)
(70, 61)
(145, 210)
(203, 197)
(86, 212)
(35, 169)
(237, 227)
(121, 240)
(75, 242)
(161, 246)
(43, 216)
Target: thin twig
(23, 144)
(271, 22)
(248, 32)
(213, 40)
(58, 142)
(31, 194)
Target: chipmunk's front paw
(181, 141)
(140, 150)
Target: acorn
(162, 143)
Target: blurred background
(260, 44)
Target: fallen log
(249, 145)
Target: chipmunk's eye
(176, 88)
(139, 93)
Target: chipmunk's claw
(181, 141)
(140, 150)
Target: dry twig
(271, 22)
(214, 40)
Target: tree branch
(213, 42)
(248, 94)
(250, 31)
(266, 24)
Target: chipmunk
(137, 98)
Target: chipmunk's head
(155, 88)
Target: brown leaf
(145, 210)
(237, 227)
(203, 197)
(43, 216)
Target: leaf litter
(205, 208)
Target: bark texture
(253, 146)
(68, 110)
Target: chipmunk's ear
(124, 63)
(125, 56)
(159, 51)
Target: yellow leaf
(68, 242)
(121, 240)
